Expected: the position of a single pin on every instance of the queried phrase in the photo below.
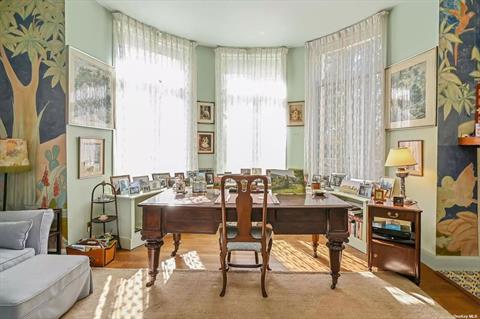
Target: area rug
(469, 281)
(121, 293)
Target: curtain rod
(384, 11)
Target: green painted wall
(206, 93)
(413, 29)
(295, 92)
(88, 27)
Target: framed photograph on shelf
(206, 112)
(411, 91)
(143, 182)
(180, 175)
(245, 171)
(91, 95)
(416, 147)
(256, 171)
(134, 188)
(91, 157)
(206, 142)
(121, 183)
(209, 178)
(336, 179)
(387, 184)
(296, 113)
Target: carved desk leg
(153, 247)
(176, 241)
(315, 238)
(335, 251)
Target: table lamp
(13, 159)
(400, 158)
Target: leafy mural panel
(458, 72)
(32, 97)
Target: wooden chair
(242, 235)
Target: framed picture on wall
(206, 142)
(206, 112)
(91, 95)
(410, 93)
(91, 157)
(416, 147)
(296, 113)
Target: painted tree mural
(458, 72)
(32, 97)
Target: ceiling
(250, 23)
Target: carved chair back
(244, 207)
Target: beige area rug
(121, 293)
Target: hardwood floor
(290, 253)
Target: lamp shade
(14, 156)
(400, 157)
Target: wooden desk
(170, 213)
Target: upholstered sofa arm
(41, 223)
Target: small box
(99, 256)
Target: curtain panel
(251, 93)
(344, 78)
(156, 120)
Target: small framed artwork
(365, 190)
(155, 184)
(416, 147)
(296, 113)
(134, 188)
(121, 183)
(387, 184)
(91, 157)
(398, 200)
(379, 196)
(256, 171)
(336, 179)
(91, 91)
(411, 92)
(245, 171)
(206, 112)
(206, 142)
(209, 178)
(180, 175)
(143, 181)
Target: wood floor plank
(289, 253)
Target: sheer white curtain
(251, 108)
(344, 126)
(155, 100)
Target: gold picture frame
(296, 113)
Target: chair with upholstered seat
(240, 234)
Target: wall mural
(458, 71)
(32, 97)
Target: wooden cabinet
(388, 253)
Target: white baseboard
(450, 262)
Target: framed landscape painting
(90, 91)
(410, 93)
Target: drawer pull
(392, 215)
(375, 255)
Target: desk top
(170, 198)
